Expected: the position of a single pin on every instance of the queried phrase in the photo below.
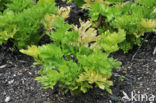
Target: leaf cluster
(130, 16)
(25, 16)
(70, 62)
(3, 5)
(78, 58)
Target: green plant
(3, 5)
(26, 16)
(19, 5)
(7, 28)
(75, 60)
(109, 41)
(113, 15)
(71, 61)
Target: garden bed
(137, 73)
(17, 73)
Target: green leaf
(109, 41)
(51, 55)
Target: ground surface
(17, 73)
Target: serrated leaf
(148, 23)
(87, 34)
(93, 77)
(7, 32)
(109, 41)
(32, 51)
(64, 12)
(48, 21)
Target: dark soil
(18, 84)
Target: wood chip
(154, 52)
(3, 66)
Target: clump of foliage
(78, 58)
(87, 34)
(3, 5)
(71, 61)
(21, 21)
(129, 16)
(111, 40)
(133, 17)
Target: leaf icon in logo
(125, 97)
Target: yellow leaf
(64, 12)
(48, 21)
(87, 34)
(32, 51)
(41, 2)
(93, 77)
(8, 32)
(148, 23)
(101, 85)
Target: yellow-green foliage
(92, 77)
(87, 34)
(32, 51)
(7, 33)
(49, 19)
(26, 16)
(66, 59)
(130, 16)
(148, 24)
(109, 41)
(75, 59)
(3, 4)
